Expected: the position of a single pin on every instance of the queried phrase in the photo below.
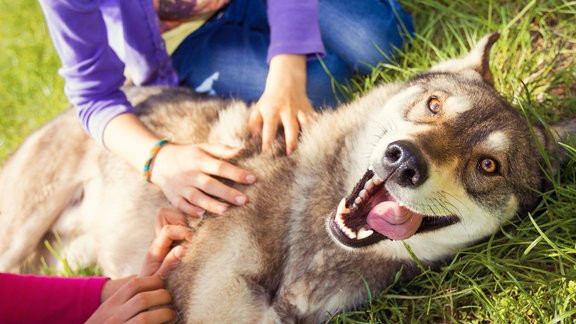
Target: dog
(416, 169)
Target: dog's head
(450, 162)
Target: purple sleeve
(92, 69)
(35, 299)
(294, 28)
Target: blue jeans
(227, 55)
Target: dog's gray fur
(281, 258)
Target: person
(42, 299)
(96, 41)
(286, 56)
(271, 52)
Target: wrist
(287, 70)
(128, 137)
(149, 165)
(157, 172)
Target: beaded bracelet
(153, 153)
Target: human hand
(170, 226)
(284, 102)
(134, 299)
(144, 298)
(186, 175)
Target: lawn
(524, 274)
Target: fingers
(145, 300)
(133, 299)
(159, 315)
(266, 118)
(291, 131)
(305, 118)
(171, 261)
(161, 258)
(269, 130)
(171, 226)
(169, 234)
(220, 151)
(135, 286)
(197, 197)
(165, 216)
(225, 170)
(255, 123)
(187, 207)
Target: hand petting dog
(284, 102)
(144, 298)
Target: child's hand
(144, 298)
(187, 175)
(283, 103)
(138, 299)
(170, 226)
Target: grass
(31, 92)
(524, 274)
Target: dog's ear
(549, 138)
(477, 60)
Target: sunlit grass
(31, 91)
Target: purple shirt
(294, 28)
(97, 40)
(93, 63)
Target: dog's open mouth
(370, 214)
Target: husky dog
(434, 164)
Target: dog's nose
(405, 164)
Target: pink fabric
(37, 299)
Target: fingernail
(240, 200)
(250, 178)
(222, 208)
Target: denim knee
(366, 32)
(324, 77)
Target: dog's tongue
(393, 221)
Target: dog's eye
(488, 166)
(434, 105)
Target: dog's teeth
(363, 194)
(358, 201)
(342, 207)
(349, 233)
(369, 185)
(345, 229)
(377, 181)
(364, 233)
(339, 220)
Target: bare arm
(185, 173)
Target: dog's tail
(32, 193)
